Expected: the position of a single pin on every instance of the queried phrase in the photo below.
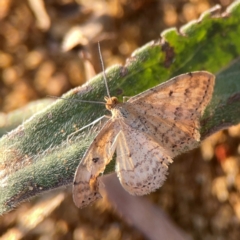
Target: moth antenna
(105, 81)
(104, 74)
(78, 100)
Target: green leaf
(15, 118)
(36, 156)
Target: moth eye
(95, 160)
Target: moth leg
(125, 98)
(115, 142)
(92, 123)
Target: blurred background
(48, 47)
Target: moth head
(110, 102)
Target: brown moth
(146, 132)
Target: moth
(146, 132)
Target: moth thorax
(111, 102)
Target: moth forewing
(173, 110)
(98, 155)
(180, 84)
